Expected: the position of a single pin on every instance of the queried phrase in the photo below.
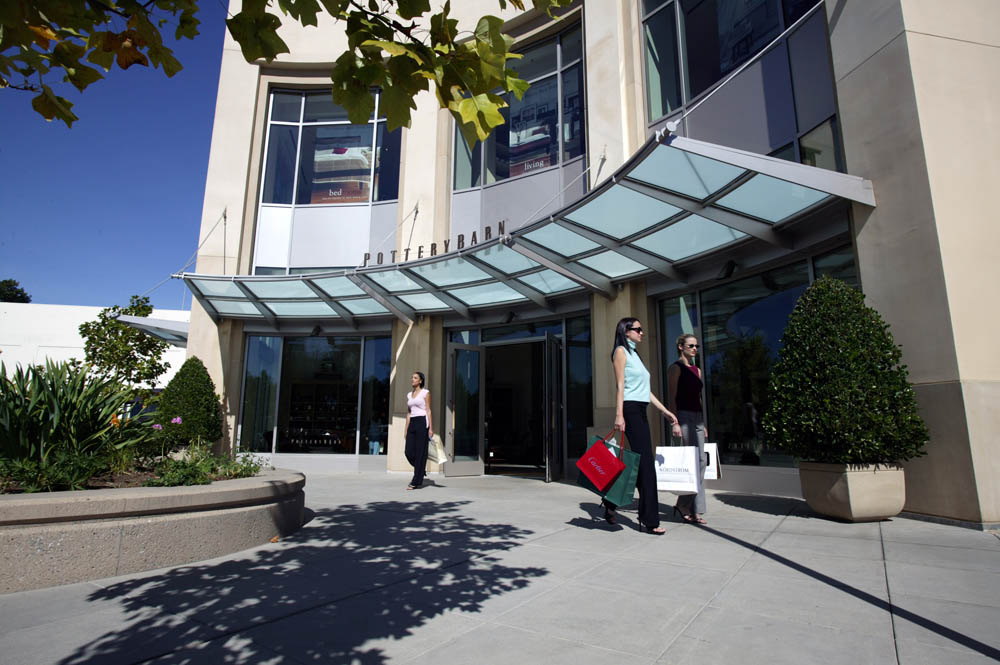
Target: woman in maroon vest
(684, 386)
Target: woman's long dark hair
(422, 379)
(621, 334)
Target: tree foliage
(398, 46)
(189, 410)
(839, 392)
(127, 354)
(11, 291)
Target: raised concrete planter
(855, 492)
(64, 537)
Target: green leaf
(394, 48)
(52, 106)
(410, 9)
(257, 35)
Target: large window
(542, 128)
(316, 156)
(740, 325)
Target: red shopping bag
(600, 465)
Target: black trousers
(637, 431)
(416, 448)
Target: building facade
(693, 164)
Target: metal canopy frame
(677, 200)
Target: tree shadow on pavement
(344, 589)
(769, 505)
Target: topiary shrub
(839, 393)
(188, 410)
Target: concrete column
(416, 348)
(917, 98)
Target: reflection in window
(786, 152)
(721, 35)
(375, 395)
(538, 128)
(260, 390)
(678, 316)
(838, 264)
(336, 164)
(819, 148)
(324, 159)
(742, 324)
(663, 80)
(318, 398)
(579, 385)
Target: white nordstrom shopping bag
(712, 469)
(677, 469)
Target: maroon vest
(689, 384)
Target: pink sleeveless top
(418, 405)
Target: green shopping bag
(622, 491)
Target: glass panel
(685, 173)
(218, 288)
(692, 235)
(387, 153)
(505, 259)
(301, 309)
(497, 151)
(650, 5)
(537, 61)
(337, 287)
(336, 163)
(235, 307)
(533, 139)
(393, 280)
(548, 281)
(620, 212)
(795, 9)
(786, 153)
(320, 108)
(561, 240)
(318, 401)
(282, 289)
(770, 199)
(742, 326)
(464, 336)
(572, 46)
(364, 306)
(613, 264)
(467, 415)
(468, 163)
(313, 271)
(812, 72)
(678, 316)
(523, 331)
(375, 395)
(663, 78)
(579, 385)
(452, 271)
(286, 106)
(838, 264)
(720, 35)
(264, 271)
(423, 301)
(279, 165)
(819, 148)
(486, 294)
(260, 393)
(573, 112)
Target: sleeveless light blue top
(636, 376)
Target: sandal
(656, 530)
(686, 518)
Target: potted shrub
(841, 402)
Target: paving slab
(501, 569)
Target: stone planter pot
(853, 492)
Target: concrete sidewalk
(509, 570)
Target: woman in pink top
(418, 428)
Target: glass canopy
(675, 201)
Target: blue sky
(94, 214)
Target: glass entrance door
(554, 427)
(465, 410)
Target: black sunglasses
(691, 346)
(638, 330)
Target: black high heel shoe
(686, 518)
(655, 530)
(609, 515)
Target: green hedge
(839, 392)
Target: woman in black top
(684, 386)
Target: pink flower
(176, 421)
(157, 426)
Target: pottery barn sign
(408, 254)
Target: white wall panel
(273, 227)
(330, 236)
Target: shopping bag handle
(621, 448)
